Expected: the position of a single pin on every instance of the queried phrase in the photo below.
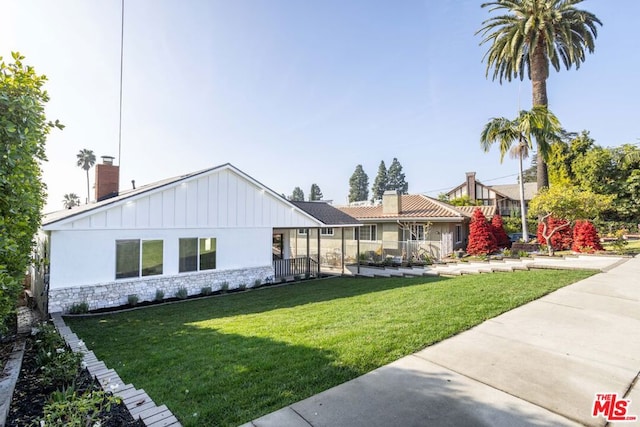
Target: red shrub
(502, 240)
(562, 239)
(585, 238)
(481, 239)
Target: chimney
(107, 179)
(471, 185)
(391, 202)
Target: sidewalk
(538, 365)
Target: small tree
(297, 195)
(358, 185)
(380, 183)
(567, 203)
(585, 238)
(315, 193)
(395, 178)
(497, 227)
(481, 238)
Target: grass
(633, 247)
(228, 360)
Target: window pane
(188, 253)
(127, 258)
(208, 253)
(151, 257)
(373, 232)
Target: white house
(203, 229)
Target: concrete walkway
(538, 365)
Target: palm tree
(86, 160)
(70, 200)
(538, 123)
(532, 35)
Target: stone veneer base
(116, 293)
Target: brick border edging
(138, 402)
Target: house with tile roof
(408, 227)
(209, 228)
(505, 197)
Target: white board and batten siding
(223, 203)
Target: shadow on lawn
(210, 378)
(271, 298)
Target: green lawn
(227, 360)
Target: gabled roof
(124, 196)
(416, 207)
(512, 191)
(327, 214)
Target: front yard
(230, 359)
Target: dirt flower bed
(54, 390)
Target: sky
(299, 92)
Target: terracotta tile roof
(414, 206)
(487, 211)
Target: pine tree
(562, 239)
(380, 183)
(297, 195)
(315, 193)
(497, 227)
(481, 239)
(358, 185)
(396, 179)
(585, 238)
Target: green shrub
(9, 291)
(182, 293)
(79, 308)
(56, 362)
(133, 300)
(67, 408)
(257, 283)
(242, 286)
(206, 290)
(224, 287)
(159, 295)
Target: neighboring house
(505, 197)
(204, 229)
(408, 227)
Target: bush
(481, 239)
(242, 286)
(159, 295)
(257, 283)
(561, 239)
(497, 228)
(585, 238)
(206, 290)
(67, 408)
(224, 287)
(57, 363)
(9, 291)
(79, 308)
(182, 293)
(132, 300)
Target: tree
(396, 179)
(585, 238)
(497, 228)
(481, 238)
(463, 200)
(297, 195)
(86, 160)
(380, 183)
(561, 239)
(23, 133)
(567, 203)
(530, 174)
(530, 35)
(70, 200)
(358, 185)
(539, 123)
(315, 193)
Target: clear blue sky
(299, 92)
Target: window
(458, 233)
(302, 231)
(326, 231)
(366, 232)
(414, 232)
(129, 259)
(196, 254)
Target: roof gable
(222, 196)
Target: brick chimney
(391, 202)
(107, 179)
(471, 185)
